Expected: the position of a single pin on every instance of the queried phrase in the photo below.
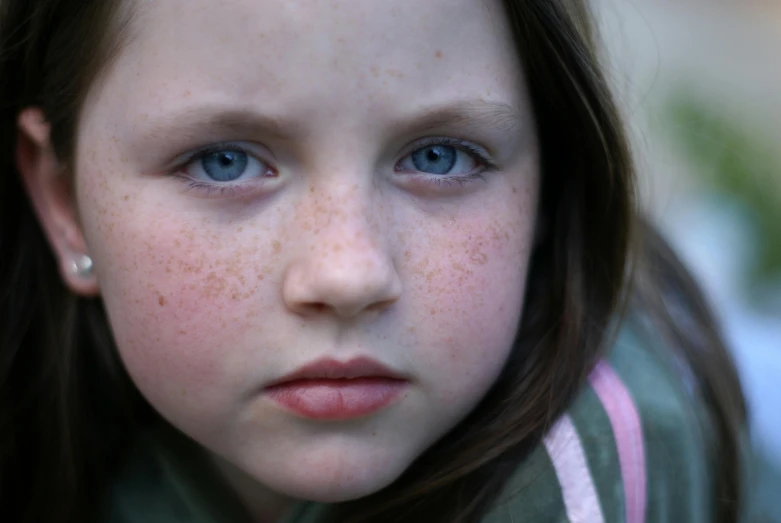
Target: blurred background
(700, 83)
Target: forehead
(316, 52)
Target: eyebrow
(194, 122)
(501, 116)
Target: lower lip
(336, 399)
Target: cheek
(180, 297)
(468, 283)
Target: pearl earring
(82, 266)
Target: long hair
(68, 410)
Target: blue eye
(435, 159)
(224, 166)
(445, 156)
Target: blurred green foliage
(734, 162)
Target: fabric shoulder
(632, 448)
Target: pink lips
(330, 390)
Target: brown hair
(68, 410)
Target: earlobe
(50, 191)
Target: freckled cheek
(180, 303)
(468, 294)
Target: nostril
(381, 305)
(312, 308)
(319, 307)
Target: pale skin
(331, 243)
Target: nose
(346, 267)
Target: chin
(346, 486)
(336, 493)
(335, 482)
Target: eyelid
(482, 154)
(447, 140)
(246, 147)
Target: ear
(51, 192)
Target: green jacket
(634, 447)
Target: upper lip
(329, 368)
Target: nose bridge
(341, 218)
(346, 264)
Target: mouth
(330, 390)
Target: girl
(268, 260)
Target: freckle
(183, 333)
(161, 300)
(260, 277)
(240, 229)
(462, 269)
(277, 246)
(479, 257)
(515, 190)
(438, 54)
(126, 197)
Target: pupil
(435, 159)
(225, 166)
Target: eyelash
(226, 190)
(484, 164)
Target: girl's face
(345, 187)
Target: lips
(331, 369)
(330, 390)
